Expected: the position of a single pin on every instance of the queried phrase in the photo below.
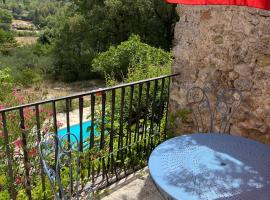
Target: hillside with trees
(58, 40)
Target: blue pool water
(75, 129)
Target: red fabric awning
(262, 4)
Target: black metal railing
(127, 122)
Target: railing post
(146, 116)
(120, 139)
(102, 133)
(39, 139)
(81, 123)
(25, 155)
(9, 159)
(92, 137)
(161, 108)
(167, 108)
(153, 115)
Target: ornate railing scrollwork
(60, 158)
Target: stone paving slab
(138, 186)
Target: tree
(132, 54)
(92, 26)
(113, 21)
(42, 10)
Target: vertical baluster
(161, 109)
(92, 136)
(154, 130)
(167, 107)
(138, 115)
(120, 140)
(68, 104)
(9, 158)
(146, 113)
(39, 139)
(54, 118)
(112, 121)
(81, 123)
(56, 133)
(128, 139)
(68, 118)
(81, 164)
(103, 107)
(153, 114)
(25, 156)
(111, 149)
(102, 132)
(55, 126)
(137, 127)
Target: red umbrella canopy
(262, 4)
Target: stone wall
(231, 46)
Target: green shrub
(29, 63)
(4, 195)
(6, 82)
(7, 41)
(27, 77)
(5, 19)
(117, 61)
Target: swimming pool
(75, 129)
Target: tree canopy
(89, 27)
(117, 61)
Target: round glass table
(211, 167)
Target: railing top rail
(86, 93)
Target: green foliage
(16, 9)
(89, 27)
(4, 195)
(27, 77)
(24, 33)
(6, 37)
(7, 83)
(7, 41)
(5, 19)
(73, 54)
(41, 10)
(113, 21)
(5, 77)
(28, 64)
(133, 57)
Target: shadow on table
(226, 171)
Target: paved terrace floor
(138, 186)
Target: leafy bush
(5, 19)
(28, 64)
(7, 41)
(41, 10)
(4, 195)
(6, 82)
(27, 77)
(130, 55)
